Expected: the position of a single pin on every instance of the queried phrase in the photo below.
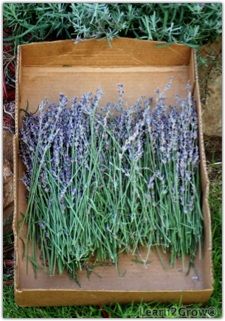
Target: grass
(11, 310)
(193, 24)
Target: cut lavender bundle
(103, 180)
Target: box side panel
(65, 298)
(16, 171)
(120, 52)
(207, 250)
(192, 74)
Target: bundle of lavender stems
(103, 180)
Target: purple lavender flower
(151, 182)
(41, 224)
(81, 149)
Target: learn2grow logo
(182, 312)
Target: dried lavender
(108, 179)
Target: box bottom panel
(132, 281)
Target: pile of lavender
(103, 180)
